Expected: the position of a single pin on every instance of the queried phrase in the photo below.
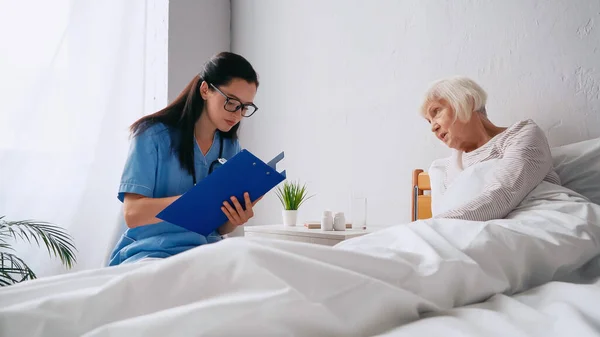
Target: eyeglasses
(233, 104)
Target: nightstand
(302, 234)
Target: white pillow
(578, 166)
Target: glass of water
(359, 213)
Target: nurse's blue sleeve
(139, 174)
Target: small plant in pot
(292, 195)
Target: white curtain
(73, 76)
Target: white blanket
(555, 309)
(364, 286)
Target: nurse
(178, 146)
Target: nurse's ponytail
(181, 114)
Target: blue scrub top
(152, 169)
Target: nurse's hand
(236, 214)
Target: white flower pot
(290, 217)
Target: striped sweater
(524, 162)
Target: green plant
(292, 195)
(58, 242)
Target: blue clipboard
(199, 209)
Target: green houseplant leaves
(56, 240)
(292, 195)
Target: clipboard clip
(273, 162)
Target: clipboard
(199, 209)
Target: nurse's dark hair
(185, 110)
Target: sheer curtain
(73, 76)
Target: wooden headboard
(421, 202)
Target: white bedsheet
(555, 309)
(365, 286)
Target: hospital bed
(535, 273)
(567, 308)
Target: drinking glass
(359, 213)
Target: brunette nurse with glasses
(178, 146)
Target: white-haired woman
(456, 109)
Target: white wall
(341, 82)
(197, 30)
(156, 75)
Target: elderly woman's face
(441, 117)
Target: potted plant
(292, 195)
(57, 241)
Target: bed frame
(421, 202)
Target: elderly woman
(455, 108)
